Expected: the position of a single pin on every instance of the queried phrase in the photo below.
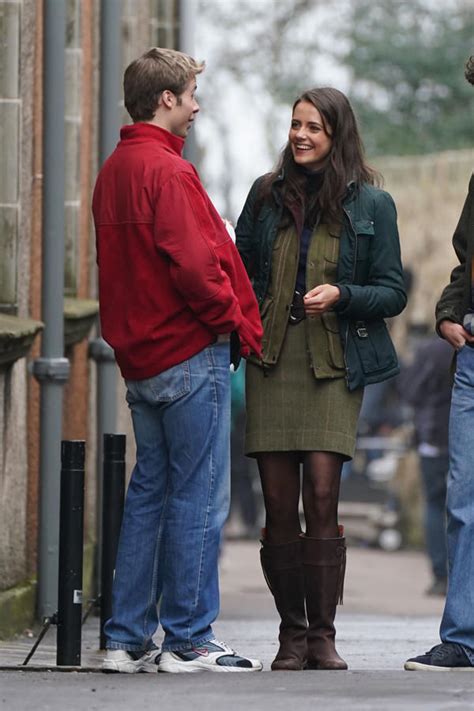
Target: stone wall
(429, 192)
(18, 21)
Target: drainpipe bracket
(100, 351)
(51, 369)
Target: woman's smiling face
(310, 144)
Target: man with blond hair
(172, 289)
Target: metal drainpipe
(109, 124)
(52, 368)
(187, 28)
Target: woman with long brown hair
(320, 242)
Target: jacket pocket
(365, 231)
(374, 346)
(331, 258)
(331, 248)
(331, 325)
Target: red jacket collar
(140, 132)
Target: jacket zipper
(348, 215)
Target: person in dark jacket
(426, 385)
(172, 288)
(320, 243)
(455, 323)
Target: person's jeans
(434, 472)
(177, 502)
(457, 624)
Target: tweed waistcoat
(322, 332)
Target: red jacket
(170, 277)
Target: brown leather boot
(324, 564)
(283, 571)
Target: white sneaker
(121, 661)
(211, 656)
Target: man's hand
(455, 334)
(320, 299)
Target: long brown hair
(344, 163)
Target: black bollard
(113, 493)
(71, 541)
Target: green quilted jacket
(369, 273)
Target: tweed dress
(300, 401)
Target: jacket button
(265, 264)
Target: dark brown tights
(321, 482)
(280, 476)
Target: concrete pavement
(385, 618)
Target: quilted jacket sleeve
(383, 294)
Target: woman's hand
(455, 334)
(320, 299)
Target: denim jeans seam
(212, 379)
(154, 581)
(126, 647)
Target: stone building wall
(17, 21)
(429, 192)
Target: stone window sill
(79, 317)
(16, 337)
(17, 334)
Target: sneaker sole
(418, 666)
(195, 667)
(124, 668)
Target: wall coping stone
(79, 317)
(16, 337)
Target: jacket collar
(351, 185)
(351, 188)
(143, 132)
(279, 179)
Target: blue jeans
(177, 502)
(434, 471)
(457, 624)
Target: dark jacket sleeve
(383, 295)
(244, 230)
(452, 302)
